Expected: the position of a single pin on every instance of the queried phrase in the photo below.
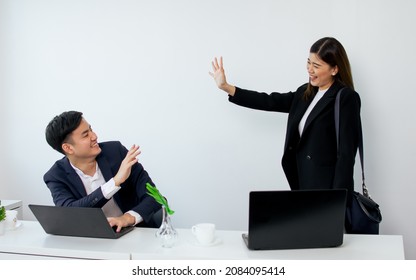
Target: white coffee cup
(204, 233)
(11, 219)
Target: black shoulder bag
(363, 216)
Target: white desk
(30, 241)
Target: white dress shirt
(91, 183)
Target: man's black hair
(60, 127)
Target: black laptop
(296, 219)
(76, 221)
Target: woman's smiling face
(321, 74)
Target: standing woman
(311, 159)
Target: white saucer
(18, 225)
(213, 243)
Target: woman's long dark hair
(332, 52)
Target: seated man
(93, 174)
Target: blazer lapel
(302, 107)
(74, 180)
(104, 167)
(327, 99)
(293, 130)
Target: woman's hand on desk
(122, 221)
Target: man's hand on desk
(122, 221)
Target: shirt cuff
(109, 189)
(137, 216)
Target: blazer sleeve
(145, 205)
(275, 101)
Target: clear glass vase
(166, 234)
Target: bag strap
(360, 143)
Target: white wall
(139, 72)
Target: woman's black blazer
(313, 160)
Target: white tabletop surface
(30, 239)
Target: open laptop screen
(296, 219)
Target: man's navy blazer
(67, 188)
